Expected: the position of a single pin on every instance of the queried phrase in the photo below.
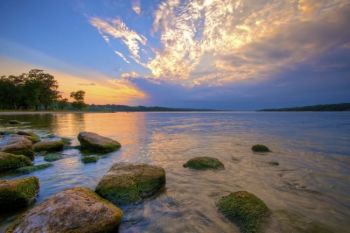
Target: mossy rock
(245, 209)
(203, 163)
(66, 141)
(89, 159)
(14, 122)
(128, 183)
(50, 146)
(30, 135)
(274, 163)
(30, 169)
(260, 148)
(96, 143)
(76, 210)
(18, 193)
(52, 157)
(19, 145)
(10, 161)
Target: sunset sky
(223, 54)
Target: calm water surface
(308, 192)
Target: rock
(66, 141)
(14, 122)
(56, 145)
(19, 145)
(11, 161)
(90, 159)
(52, 157)
(30, 135)
(244, 209)
(128, 183)
(30, 169)
(76, 210)
(202, 163)
(274, 163)
(94, 142)
(260, 148)
(15, 194)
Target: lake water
(308, 192)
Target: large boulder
(245, 209)
(19, 145)
(96, 143)
(10, 161)
(55, 145)
(203, 163)
(76, 210)
(15, 194)
(128, 183)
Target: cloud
(122, 56)
(129, 75)
(117, 29)
(136, 6)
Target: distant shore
(341, 107)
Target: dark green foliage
(78, 97)
(202, 163)
(260, 148)
(30, 169)
(313, 108)
(90, 159)
(244, 209)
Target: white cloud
(136, 6)
(122, 56)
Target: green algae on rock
(56, 145)
(14, 122)
(203, 163)
(30, 135)
(96, 143)
(10, 161)
(260, 148)
(30, 169)
(19, 145)
(129, 183)
(18, 193)
(75, 210)
(89, 159)
(52, 157)
(245, 209)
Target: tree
(62, 103)
(78, 97)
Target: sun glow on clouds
(214, 42)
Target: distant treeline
(36, 90)
(125, 108)
(313, 108)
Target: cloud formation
(136, 6)
(215, 42)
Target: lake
(309, 191)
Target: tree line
(36, 90)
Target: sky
(221, 54)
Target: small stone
(30, 169)
(260, 148)
(89, 159)
(203, 163)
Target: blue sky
(227, 54)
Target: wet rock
(52, 157)
(245, 209)
(18, 193)
(56, 145)
(96, 143)
(202, 163)
(128, 183)
(70, 211)
(30, 169)
(260, 148)
(274, 163)
(30, 135)
(10, 161)
(19, 145)
(90, 159)
(14, 122)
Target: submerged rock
(94, 142)
(10, 161)
(30, 169)
(90, 159)
(56, 145)
(274, 163)
(52, 157)
(19, 145)
(127, 183)
(245, 209)
(14, 122)
(30, 135)
(260, 148)
(70, 211)
(202, 163)
(15, 194)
